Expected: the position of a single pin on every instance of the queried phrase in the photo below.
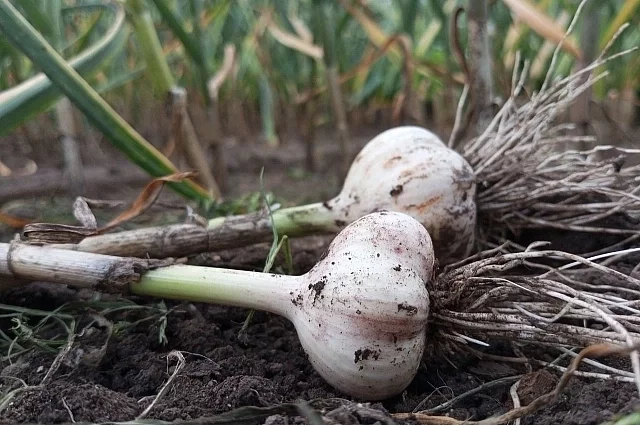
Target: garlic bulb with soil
(360, 312)
(362, 316)
(406, 169)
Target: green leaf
(626, 12)
(157, 66)
(37, 94)
(35, 14)
(52, 9)
(121, 80)
(176, 24)
(266, 112)
(324, 15)
(409, 12)
(20, 33)
(84, 41)
(203, 71)
(374, 82)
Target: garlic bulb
(406, 169)
(410, 170)
(360, 312)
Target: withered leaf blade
(542, 24)
(294, 42)
(228, 63)
(49, 233)
(146, 199)
(12, 221)
(82, 212)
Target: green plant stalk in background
(163, 83)
(204, 74)
(64, 109)
(36, 95)
(22, 35)
(92, 27)
(361, 30)
(266, 113)
(409, 10)
(40, 13)
(173, 21)
(53, 10)
(324, 17)
(625, 13)
(481, 78)
(202, 70)
(159, 71)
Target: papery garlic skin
(362, 317)
(410, 170)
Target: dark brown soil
(264, 368)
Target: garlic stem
(238, 288)
(300, 220)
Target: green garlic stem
(300, 220)
(237, 288)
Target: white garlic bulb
(409, 169)
(361, 313)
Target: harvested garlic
(405, 169)
(410, 170)
(360, 312)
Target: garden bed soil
(264, 367)
(116, 378)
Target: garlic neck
(237, 288)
